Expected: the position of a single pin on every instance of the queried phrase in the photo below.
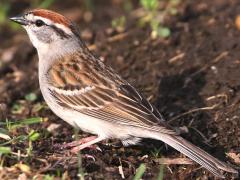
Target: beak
(20, 20)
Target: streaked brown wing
(96, 90)
(112, 106)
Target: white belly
(84, 122)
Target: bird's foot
(79, 142)
(88, 142)
(78, 148)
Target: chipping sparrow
(89, 95)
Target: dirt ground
(192, 77)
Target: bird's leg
(87, 143)
(79, 142)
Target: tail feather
(196, 154)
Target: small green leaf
(32, 120)
(149, 4)
(25, 122)
(154, 24)
(173, 11)
(140, 172)
(156, 152)
(48, 177)
(31, 97)
(4, 131)
(4, 134)
(38, 107)
(5, 150)
(119, 23)
(161, 172)
(33, 136)
(163, 32)
(21, 138)
(17, 108)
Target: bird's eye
(39, 23)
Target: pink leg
(79, 142)
(86, 144)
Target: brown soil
(196, 71)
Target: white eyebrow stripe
(67, 30)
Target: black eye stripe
(60, 32)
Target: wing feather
(102, 94)
(109, 106)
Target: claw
(90, 157)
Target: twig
(120, 168)
(215, 60)
(19, 154)
(118, 37)
(206, 141)
(223, 95)
(194, 110)
(52, 166)
(176, 58)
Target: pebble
(237, 22)
(87, 35)
(88, 16)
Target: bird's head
(49, 30)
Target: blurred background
(183, 55)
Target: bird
(89, 95)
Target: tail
(196, 154)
